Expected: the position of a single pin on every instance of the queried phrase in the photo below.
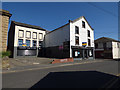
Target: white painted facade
(116, 50)
(31, 30)
(82, 34)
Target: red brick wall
(62, 60)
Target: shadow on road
(75, 79)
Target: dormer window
(83, 24)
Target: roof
(57, 28)
(5, 13)
(72, 22)
(106, 38)
(27, 25)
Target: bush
(4, 54)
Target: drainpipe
(83, 53)
(93, 53)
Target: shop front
(82, 52)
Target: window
(96, 45)
(40, 36)
(76, 30)
(28, 42)
(76, 40)
(28, 34)
(20, 42)
(104, 45)
(118, 45)
(34, 43)
(40, 44)
(89, 42)
(88, 33)
(83, 24)
(34, 35)
(90, 53)
(21, 34)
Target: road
(89, 75)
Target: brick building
(107, 48)
(4, 21)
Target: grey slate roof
(27, 25)
(110, 39)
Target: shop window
(40, 44)
(88, 33)
(21, 34)
(20, 42)
(76, 40)
(83, 24)
(34, 43)
(28, 43)
(90, 53)
(28, 34)
(40, 36)
(76, 53)
(89, 42)
(76, 30)
(34, 35)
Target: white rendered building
(74, 39)
(25, 39)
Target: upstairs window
(104, 45)
(28, 34)
(118, 45)
(76, 30)
(83, 24)
(89, 42)
(40, 36)
(34, 35)
(76, 40)
(21, 34)
(88, 33)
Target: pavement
(24, 64)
